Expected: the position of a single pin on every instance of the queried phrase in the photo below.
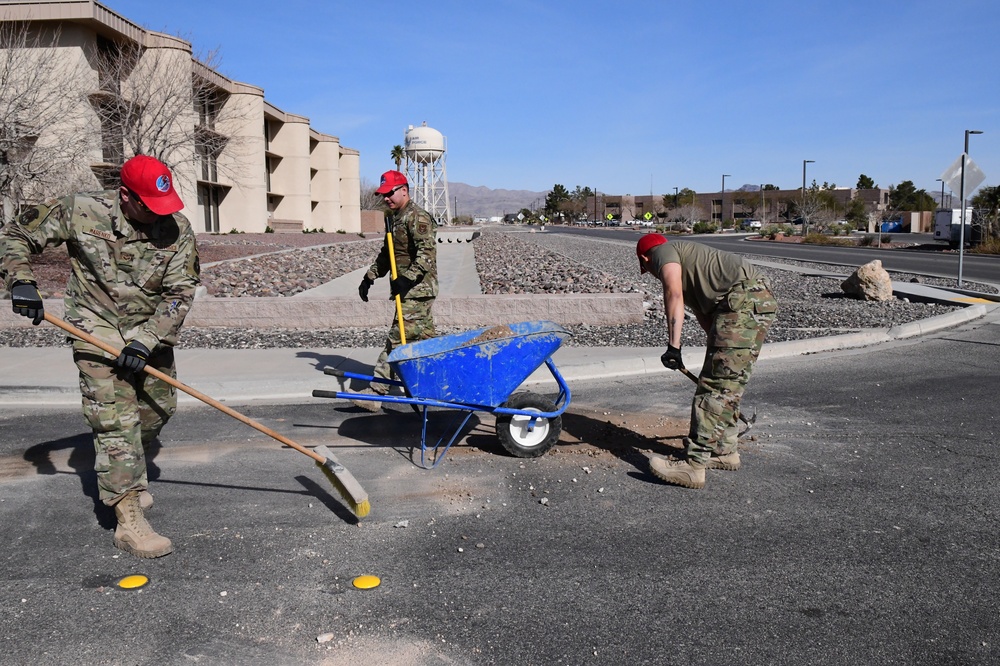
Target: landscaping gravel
(509, 263)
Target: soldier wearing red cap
(134, 273)
(414, 246)
(732, 301)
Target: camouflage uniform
(736, 298)
(415, 247)
(128, 282)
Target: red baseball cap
(645, 244)
(390, 179)
(150, 180)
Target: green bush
(235, 231)
(869, 240)
(268, 230)
(704, 228)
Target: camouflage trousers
(125, 413)
(739, 326)
(418, 324)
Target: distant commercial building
(239, 162)
(768, 206)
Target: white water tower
(427, 172)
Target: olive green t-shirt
(707, 274)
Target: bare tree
(44, 142)
(155, 100)
(164, 103)
(812, 208)
(370, 200)
(689, 213)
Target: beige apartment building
(239, 162)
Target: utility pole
(961, 228)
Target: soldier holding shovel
(732, 301)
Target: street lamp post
(722, 201)
(763, 208)
(941, 201)
(961, 228)
(805, 222)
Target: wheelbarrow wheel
(516, 433)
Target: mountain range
(481, 201)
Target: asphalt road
(861, 529)
(937, 262)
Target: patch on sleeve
(28, 216)
(423, 228)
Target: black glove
(27, 301)
(400, 286)
(363, 288)
(672, 358)
(133, 357)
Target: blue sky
(626, 97)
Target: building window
(209, 199)
(208, 162)
(207, 104)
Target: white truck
(946, 225)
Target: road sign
(952, 176)
(648, 216)
(610, 216)
(520, 216)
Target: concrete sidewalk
(457, 276)
(41, 377)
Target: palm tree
(397, 155)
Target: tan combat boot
(134, 534)
(145, 500)
(373, 406)
(678, 472)
(729, 462)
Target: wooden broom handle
(86, 337)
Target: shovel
(339, 476)
(749, 422)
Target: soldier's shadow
(580, 430)
(81, 462)
(627, 445)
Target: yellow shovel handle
(399, 302)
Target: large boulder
(870, 282)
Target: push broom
(339, 476)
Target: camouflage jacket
(414, 244)
(137, 281)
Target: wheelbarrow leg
(431, 456)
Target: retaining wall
(325, 313)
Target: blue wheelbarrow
(477, 371)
